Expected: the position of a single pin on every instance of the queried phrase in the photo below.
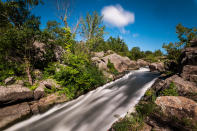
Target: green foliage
(133, 122)
(185, 35)
(33, 87)
(145, 109)
(151, 58)
(173, 51)
(158, 53)
(115, 44)
(135, 53)
(171, 91)
(111, 68)
(92, 29)
(49, 91)
(77, 76)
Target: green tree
(185, 35)
(158, 53)
(16, 42)
(148, 52)
(92, 29)
(135, 53)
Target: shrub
(111, 68)
(133, 122)
(77, 76)
(171, 91)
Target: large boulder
(189, 56)
(120, 63)
(178, 107)
(15, 93)
(11, 114)
(41, 51)
(46, 102)
(185, 88)
(142, 63)
(157, 67)
(39, 92)
(189, 72)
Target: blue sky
(144, 23)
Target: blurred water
(96, 110)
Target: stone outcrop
(178, 107)
(46, 102)
(41, 51)
(157, 67)
(14, 113)
(142, 63)
(189, 72)
(121, 63)
(184, 88)
(188, 63)
(39, 92)
(189, 56)
(14, 94)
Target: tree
(135, 53)
(118, 45)
(92, 29)
(173, 51)
(158, 53)
(16, 42)
(148, 53)
(185, 35)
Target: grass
(171, 91)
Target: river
(96, 110)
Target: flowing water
(96, 110)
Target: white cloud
(135, 35)
(117, 16)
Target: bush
(111, 68)
(77, 76)
(133, 122)
(171, 91)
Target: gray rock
(177, 107)
(184, 87)
(142, 63)
(48, 83)
(121, 63)
(10, 80)
(157, 67)
(19, 82)
(189, 56)
(189, 72)
(11, 114)
(14, 93)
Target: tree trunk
(27, 69)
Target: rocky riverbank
(19, 102)
(171, 103)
